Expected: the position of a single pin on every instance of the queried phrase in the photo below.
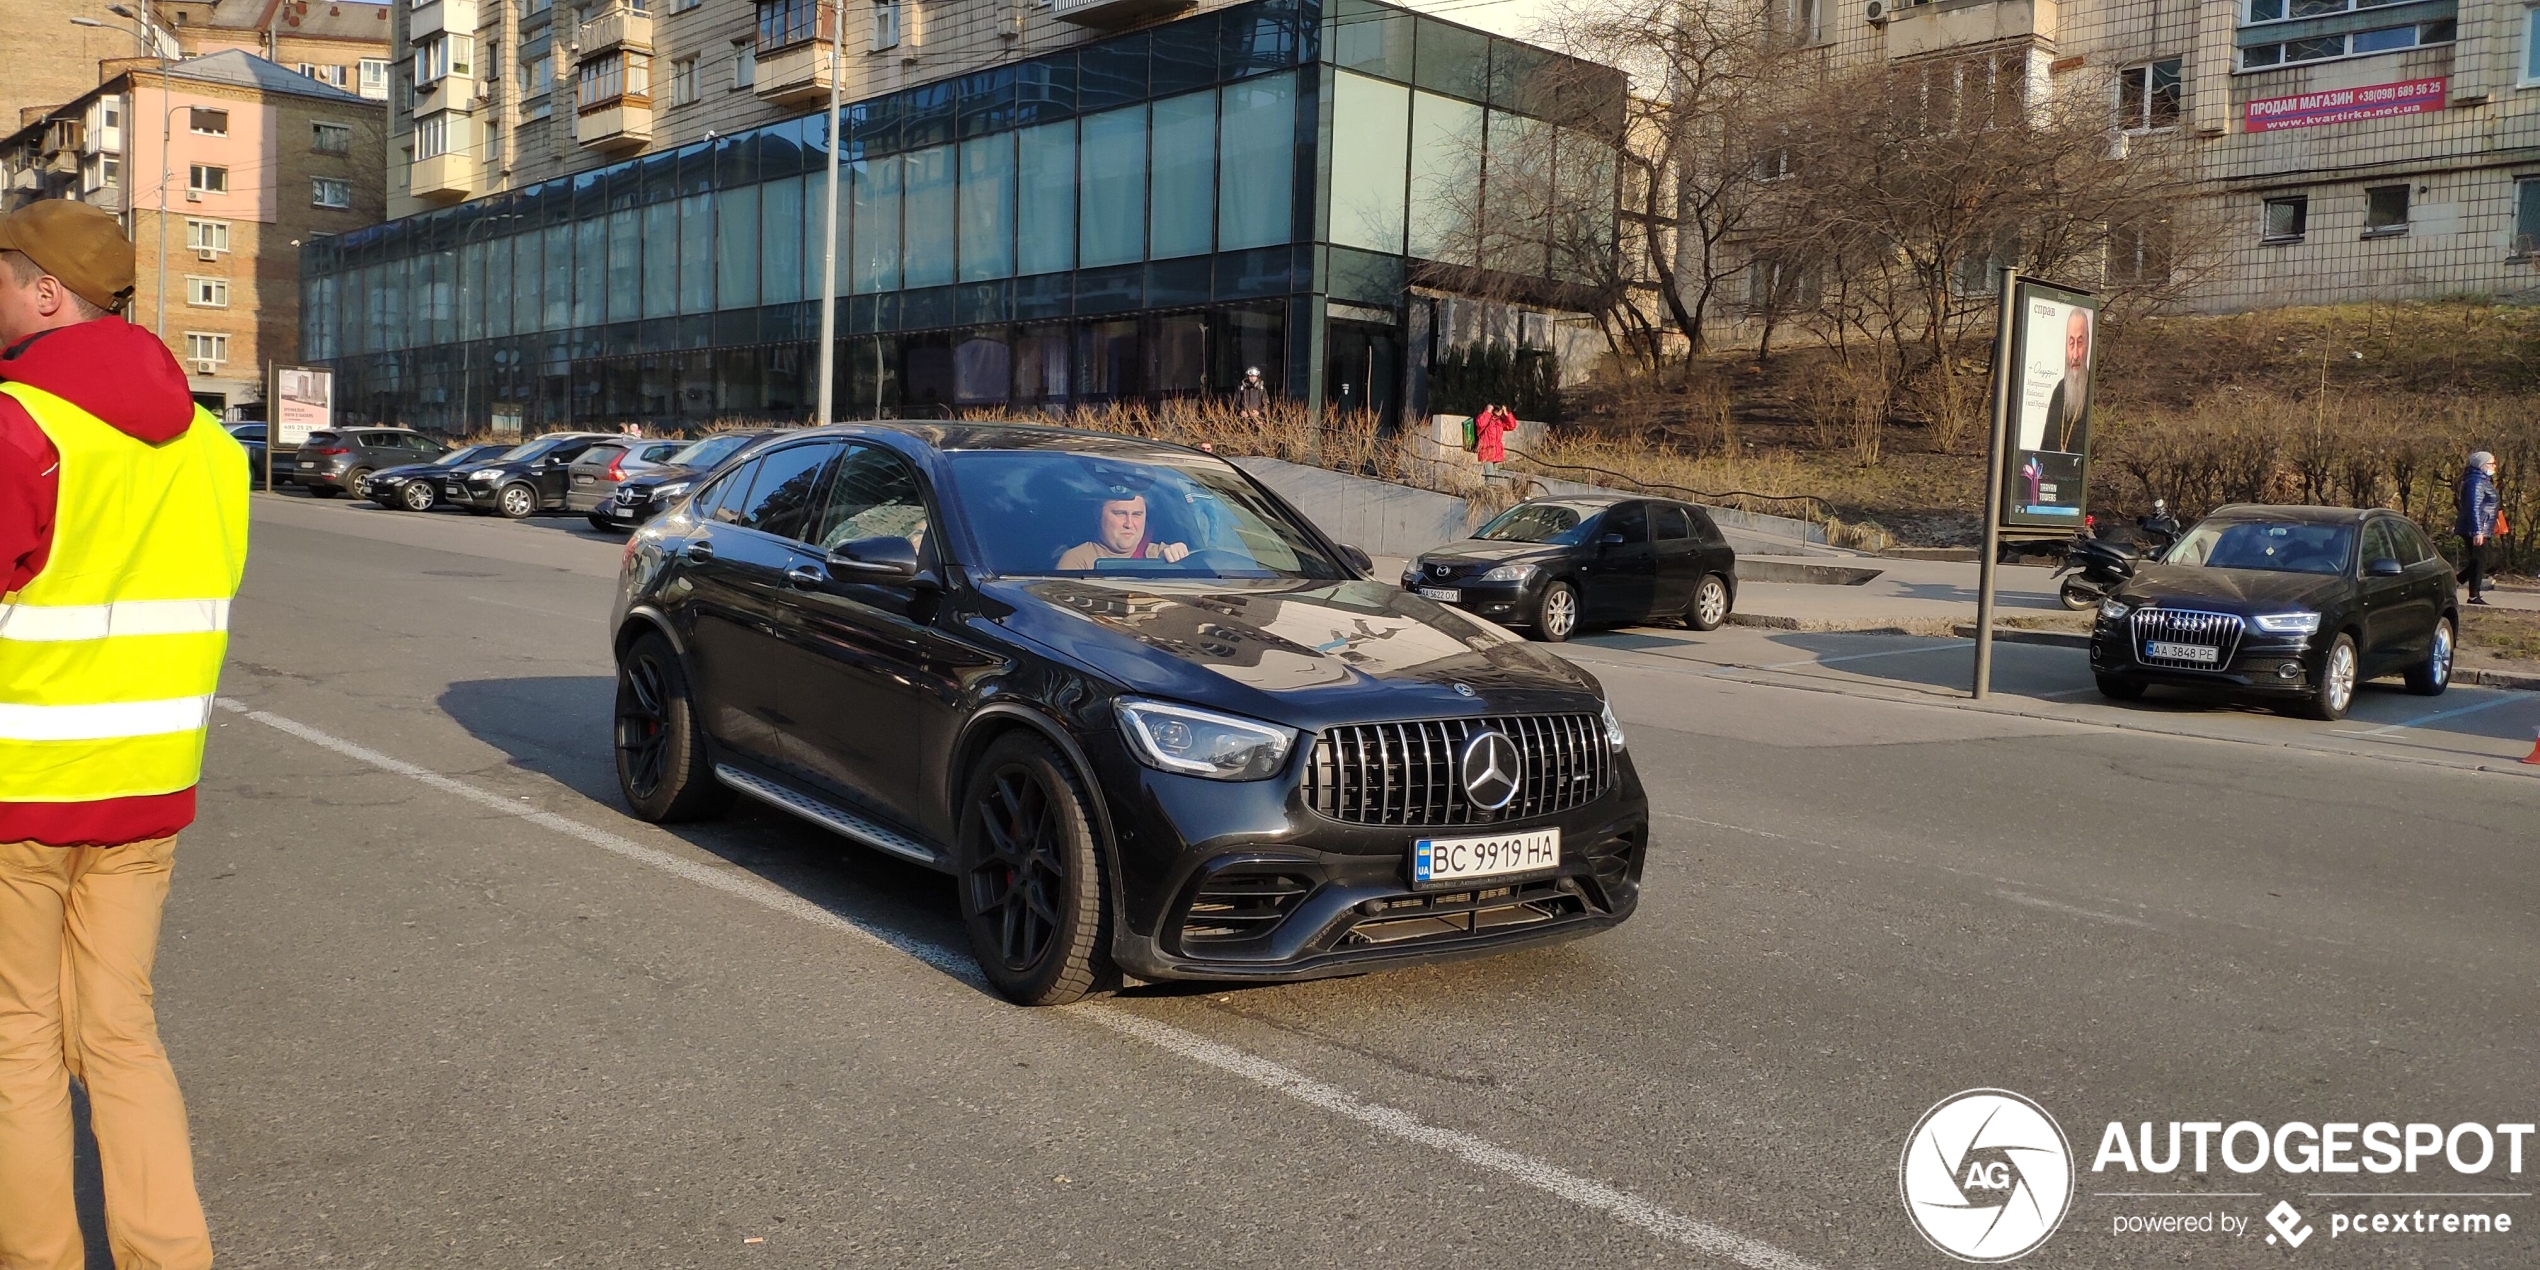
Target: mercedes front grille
(1408, 773)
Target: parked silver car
(593, 478)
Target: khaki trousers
(79, 929)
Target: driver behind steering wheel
(1120, 533)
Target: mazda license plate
(2201, 654)
(1437, 861)
(1441, 594)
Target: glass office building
(1275, 184)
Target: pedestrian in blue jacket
(2480, 506)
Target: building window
(683, 81)
(206, 293)
(538, 74)
(2148, 96)
(443, 56)
(744, 65)
(375, 78)
(611, 76)
(331, 138)
(207, 235)
(204, 178)
(432, 136)
(327, 191)
(202, 346)
(2354, 31)
(109, 171)
(2286, 219)
(782, 23)
(113, 115)
(207, 123)
(886, 25)
(682, 6)
(2385, 210)
(2526, 216)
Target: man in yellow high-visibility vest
(123, 532)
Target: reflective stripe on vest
(109, 657)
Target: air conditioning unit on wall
(206, 253)
(205, 366)
(1880, 11)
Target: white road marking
(2039, 901)
(1622, 1206)
(1890, 652)
(2504, 698)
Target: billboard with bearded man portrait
(2053, 348)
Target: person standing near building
(1489, 431)
(123, 534)
(1252, 400)
(2481, 508)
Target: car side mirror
(884, 559)
(2385, 568)
(1355, 558)
(1610, 541)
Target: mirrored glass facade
(1274, 184)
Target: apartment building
(2354, 149)
(618, 213)
(222, 167)
(335, 42)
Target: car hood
(2244, 591)
(1488, 551)
(660, 474)
(410, 471)
(1304, 653)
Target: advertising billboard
(303, 402)
(2053, 348)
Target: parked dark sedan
(2296, 604)
(1553, 565)
(334, 461)
(520, 482)
(251, 437)
(417, 486)
(648, 493)
(1148, 718)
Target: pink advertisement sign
(2344, 105)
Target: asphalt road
(437, 1000)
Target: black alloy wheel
(1031, 876)
(417, 496)
(662, 768)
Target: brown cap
(77, 243)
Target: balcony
(1113, 13)
(621, 123)
(794, 74)
(1918, 30)
(444, 178)
(441, 15)
(621, 27)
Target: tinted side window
(1703, 529)
(2377, 544)
(1672, 523)
(568, 451)
(601, 453)
(783, 491)
(2413, 548)
(873, 495)
(660, 450)
(1631, 520)
(716, 502)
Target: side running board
(830, 816)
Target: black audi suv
(1556, 565)
(1149, 718)
(2298, 605)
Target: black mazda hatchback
(1150, 719)
(2298, 605)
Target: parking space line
(2507, 698)
(1620, 1205)
(1887, 652)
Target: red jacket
(1487, 443)
(125, 376)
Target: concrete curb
(2486, 677)
(1751, 569)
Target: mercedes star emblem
(1463, 690)
(1490, 769)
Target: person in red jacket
(82, 883)
(1489, 432)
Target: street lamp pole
(829, 240)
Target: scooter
(2100, 565)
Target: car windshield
(1052, 513)
(2278, 546)
(1555, 524)
(527, 450)
(475, 454)
(710, 451)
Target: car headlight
(1192, 742)
(1411, 575)
(672, 490)
(2113, 609)
(2296, 623)
(1613, 726)
(483, 474)
(1510, 573)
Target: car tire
(663, 771)
(418, 496)
(2120, 688)
(1710, 604)
(516, 502)
(1556, 616)
(2333, 687)
(1029, 867)
(353, 484)
(2430, 677)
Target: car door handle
(700, 551)
(807, 576)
